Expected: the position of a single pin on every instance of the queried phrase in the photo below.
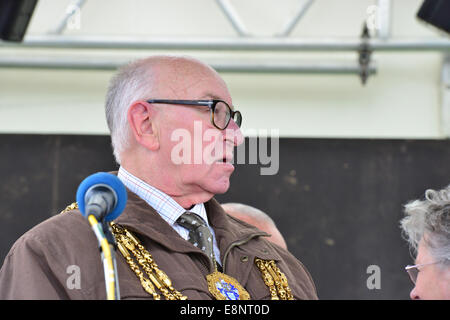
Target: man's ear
(141, 118)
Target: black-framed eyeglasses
(413, 271)
(221, 112)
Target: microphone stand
(113, 248)
(107, 245)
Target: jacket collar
(142, 219)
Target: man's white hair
(131, 83)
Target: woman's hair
(429, 220)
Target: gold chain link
(156, 277)
(274, 279)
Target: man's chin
(220, 187)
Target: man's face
(433, 282)
(188, 136)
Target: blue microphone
(102, 195)
(101, 198)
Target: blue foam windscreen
(110, 180)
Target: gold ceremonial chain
(220, 285)
(274, 279)
(70, 207)
(156, 277)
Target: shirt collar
(163, 204)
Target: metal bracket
(364, 53)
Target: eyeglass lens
(222, 115)
(238, 118)
(413, 273)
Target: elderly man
(257, 218)
(173, 129)
(427, 228)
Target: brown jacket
(42, 263)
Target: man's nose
(414, 295)
(234, 133)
